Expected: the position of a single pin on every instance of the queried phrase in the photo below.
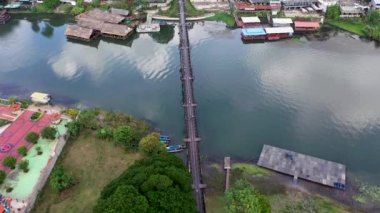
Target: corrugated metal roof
(310, 24)
(272, 30)
(253, 31)
(282, 21)
(253, 19)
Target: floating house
(303, 166)
(90, 24)
(306, 26)
(276, 33)
(4, 16)
(117, 31)
(41, 98)
(101, 15)
(247, 22)
(249, 34)
(281, 22)
(80, 33)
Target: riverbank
(225, 17)
(355, 27)
(282, 193)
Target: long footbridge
(192, 138)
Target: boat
(174, 148)
(164, 142)
(164, 138)
(148, 28)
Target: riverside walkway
(192, 138)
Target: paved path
(192, 138)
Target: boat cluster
(164, 139)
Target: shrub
(104, 133)
(3, 175)
(22, 150)
(71, 111)
(73, 129)
(48, 133)
(35, 116)
(39, 150)
(24, 165)
(10, 162)
(126, 136)
(9, 189)
(12, 99)
(60, 180)
(32, 137)
(151, 144)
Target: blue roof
(253, 31)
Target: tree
(22, 150)
(48, 133)
(50, 4)
(32, 137)
(59, 179)
(372, 17)
(162, 179)
(88, 119)
(12, 99)
(151, 144)
(10, 162)
(24, 165)
(73, 128)
(39, 150)
(3, 175)
(125, 199)
(333, 12)
(126, 135)
(242, 197)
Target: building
(276, 33)
(297, 4)
(257, 33)
(248, 22)
(120, 12)
(117, 31)
(41, 98)
(375, 4)
(281, 22)
(306, 26)
(80, 33)
(348, 11)
(257, 5)
(303, 166)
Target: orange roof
(307, 24)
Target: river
(316, 97)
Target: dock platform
(303, 166)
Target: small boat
(174, 148)
(164, 138)
(148, 28)
(164, 142)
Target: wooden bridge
(192, 138)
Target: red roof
(306, 24)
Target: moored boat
(174, 148)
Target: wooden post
(227, 167)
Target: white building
(375, 4)
(281, 22)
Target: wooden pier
(227, 167)
(303, 166)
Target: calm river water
(316, 97)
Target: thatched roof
(90, 23)
(79, 32)
(101, 15)
(116, 29)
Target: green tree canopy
(125, 199)
(10, 162)
(59, 179)
(24, 165)
(32, 137)
(151, 144)
(127, 136)
(333, 12)
(161, 179)
(243, 198)
(22, 150)
(49, 133)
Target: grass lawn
(215, 204)
(225, 17)
(354, 26)
(3, 122)
(251, 169)
(93, 163)
(173, 11)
